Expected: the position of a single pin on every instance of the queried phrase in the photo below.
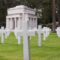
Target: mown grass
(50, 49)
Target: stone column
(36, 23)
(30, 23)
(18, 23)
(33, 23)
(10, 23)
(15, 22)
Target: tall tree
(47, 11)
(58, 9)
(54, 14)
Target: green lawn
(50, 49)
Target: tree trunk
(58, 3)
(53, 15)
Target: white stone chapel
(16, 16)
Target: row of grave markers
(26, 34)
(4, 33)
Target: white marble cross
(39, 35)
(7, 33)
(19, 38)
(39, 32)
(2, 35)
(58, 31)
(26, 44)
(46, 31)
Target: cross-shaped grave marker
(26, 44)
(4, 34)
(39, 32)
(58, 31)
(7, 33)
(46, 31)
(19, 38)
(39, 35)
